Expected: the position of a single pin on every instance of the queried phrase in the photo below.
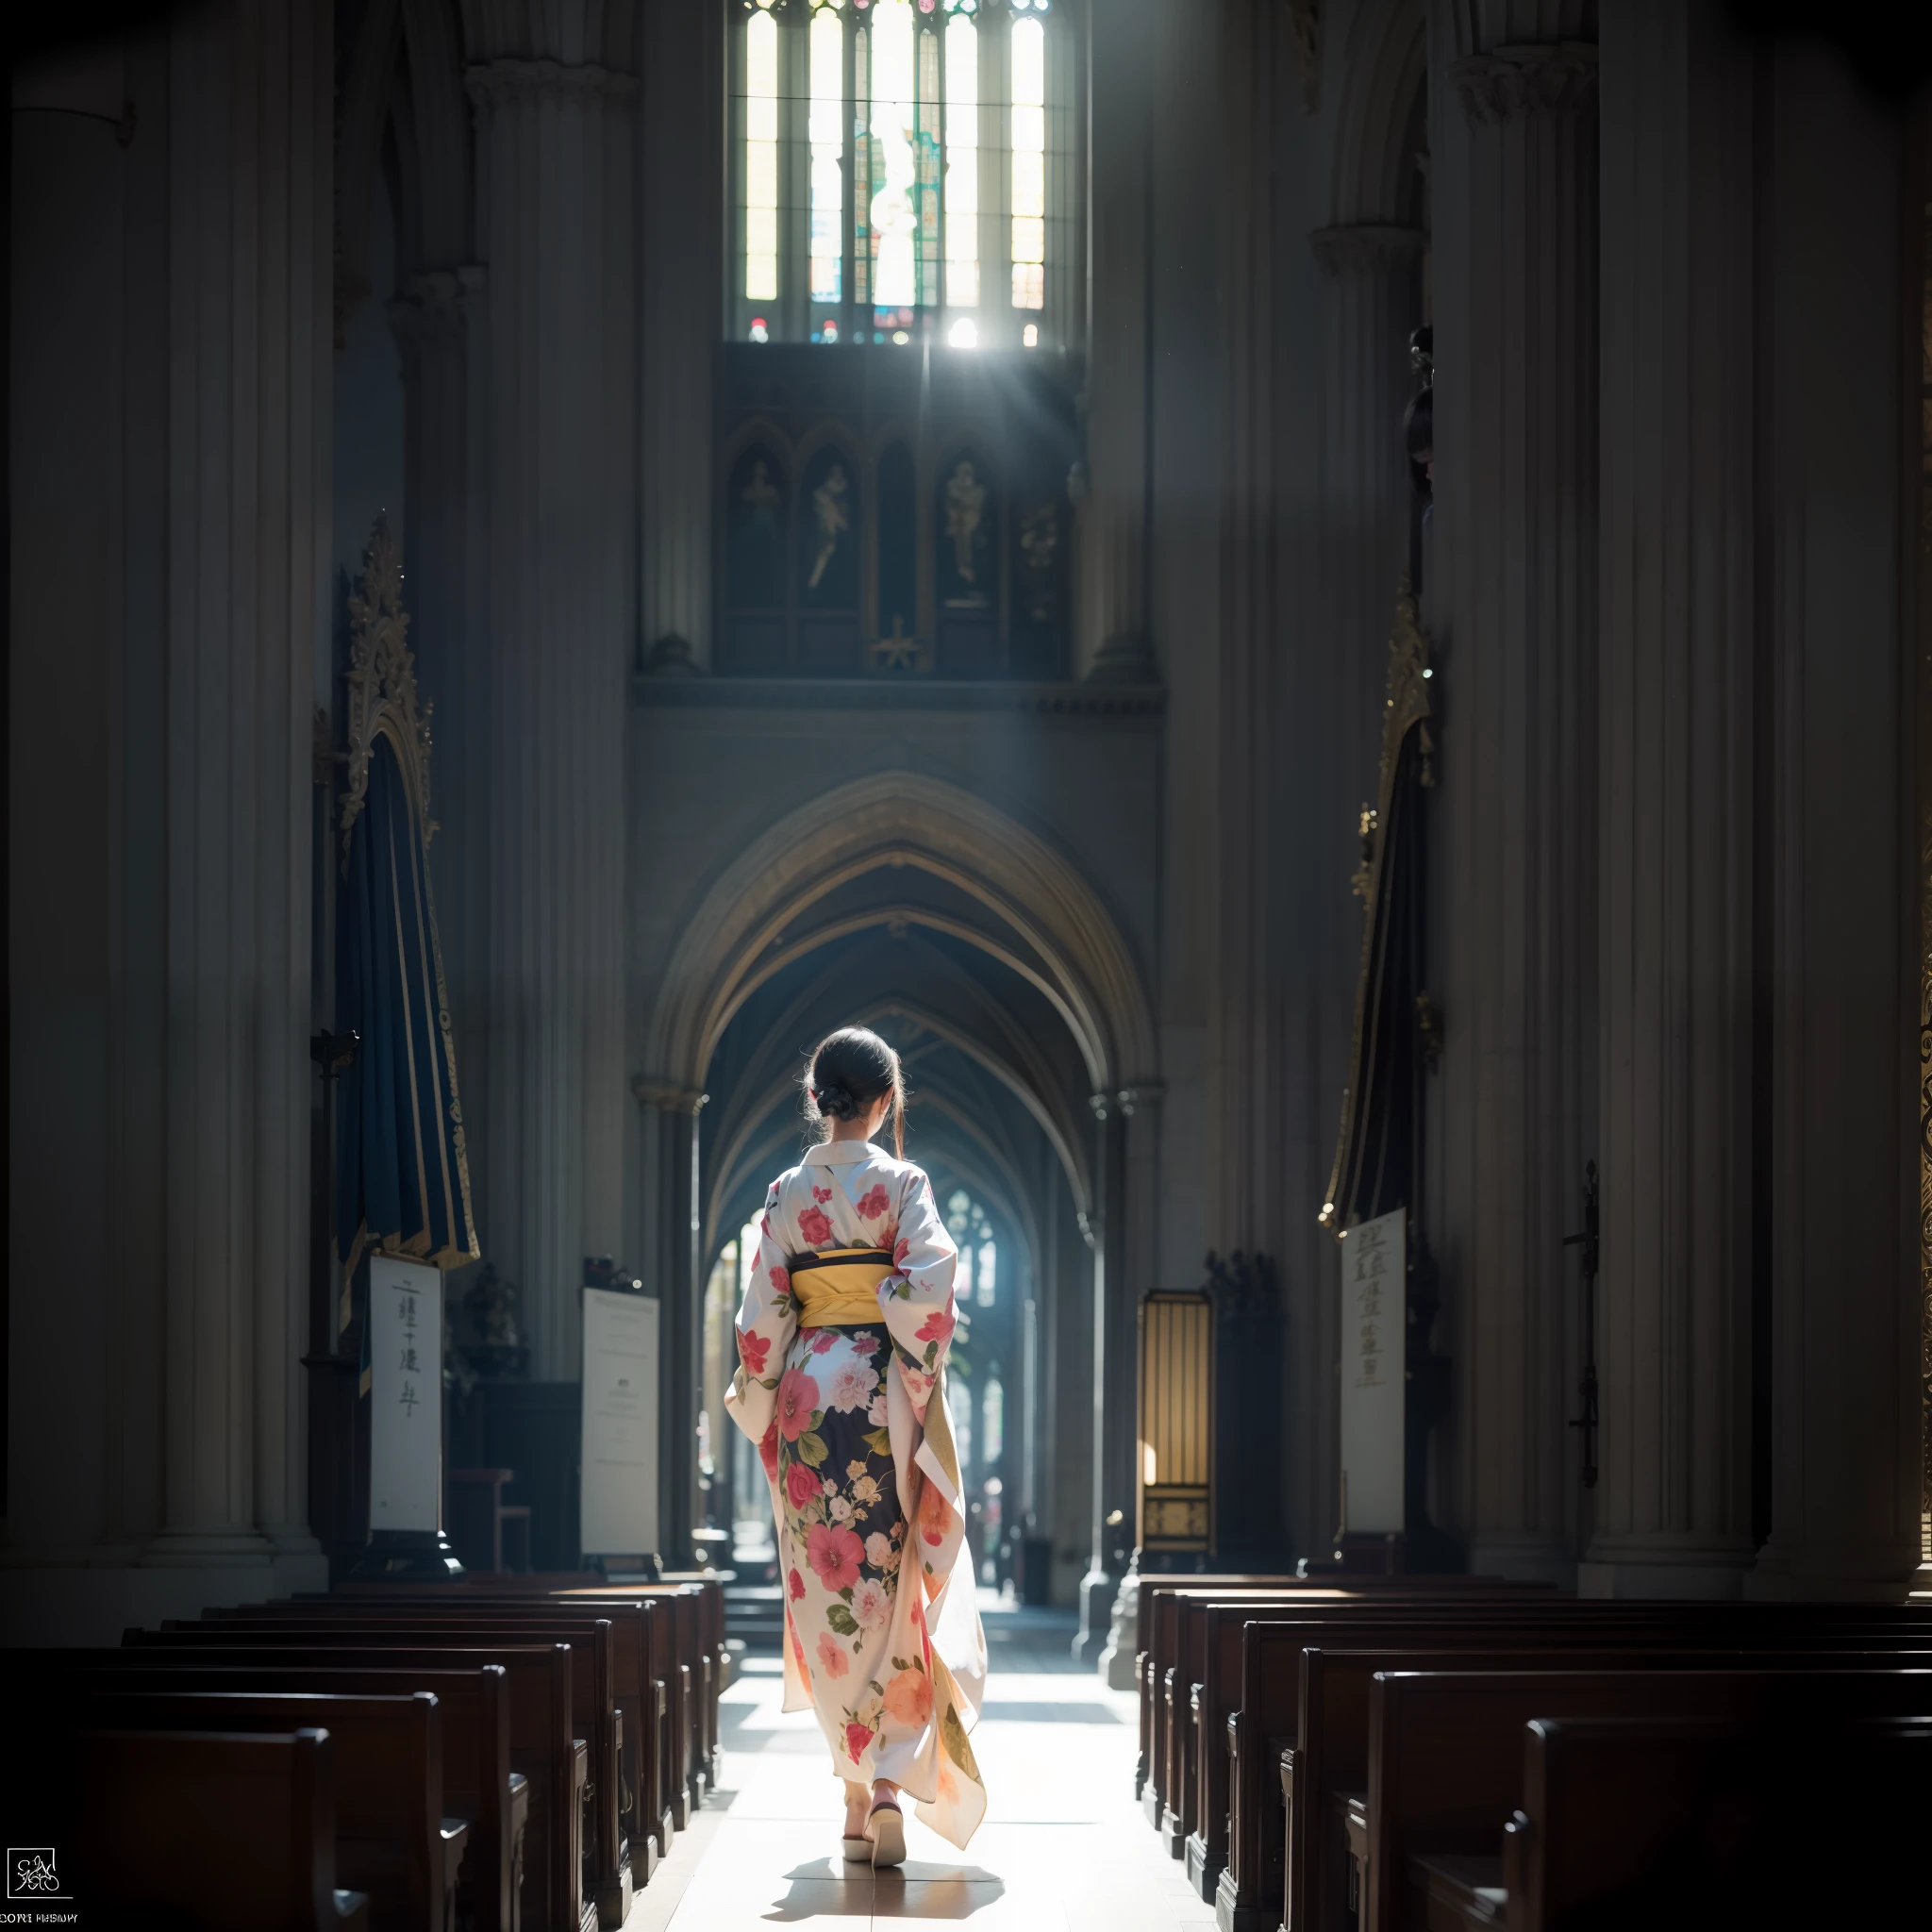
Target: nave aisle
(1062, 1848)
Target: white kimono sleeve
(917, 1298)
(766, 1324)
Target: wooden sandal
(856, 1851)
(888, 1827)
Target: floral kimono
(848, 1409)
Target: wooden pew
(542, 1745)
(1670, 1823)
(640, 1733)
(701, 1637)
(691, 1691)
(1250, 1890)
(479, 1787)
(607, 1881)
(1204, 1683)
(1154, 1635)
(1445, 1750)
(1326, 1774)
(394, 1842)
(223, 1833)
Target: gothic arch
(1035, 913)
(1384, 66)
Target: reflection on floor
(1063, 1848)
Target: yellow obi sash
(840, 1287)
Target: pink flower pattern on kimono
(832, 1657)
(754, 1350)
(813, 1226)
(874, 1204)
(835, 1553)
(872, 1604)
(798, 1396)
(857, 1737)
(801, 1486)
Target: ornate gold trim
(1406, 709)
(382, 684)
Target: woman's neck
(851, 1130)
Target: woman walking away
(843, 1343)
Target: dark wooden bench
(1251, 1890)
(607, 1881)
(1203, 1689)
(479, 1787)
(1445, 1750)
(627, 1808)
(543, 1745)
(393, 1841)
(692, 1674)
(226, 1833)
(1674, 1822)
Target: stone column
(1840, 929)
(1514, 613)
(682, 139)
(1113, 1358)
(555, 618)
(249, 219)
(671, 1204)
(1677, 695)
(1110, 641)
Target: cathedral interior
(558, 553)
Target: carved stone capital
(667, 1097)
(1366, 249)
(496, 83)
(434, 310)
(1551, 79)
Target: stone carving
(1305, 28)
(1366, 247)
(499, 81)
(382, 683)
(1554, 79)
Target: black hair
(851, 1071)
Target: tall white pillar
(1514, 616)
(249, 211)
(1679, 685)
(556, 620)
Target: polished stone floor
(1063, 1848)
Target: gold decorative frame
(1406, 709)
(382, 684)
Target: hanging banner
(405, 1395)
(619, 1485)
(1374, 1327)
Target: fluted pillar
(1514, 614)
(555, 618)
(678, 344)
(1110, 640)
(248, 160)
(1844, 869)
(1679, 692)
(1113, 1420)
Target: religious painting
(967, 516)
(829, 531)
(755, 531)
(898, 526)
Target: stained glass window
(962, 161)
(761, 155)
(897, 163)
(827, 133)
(1029, 164)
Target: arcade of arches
(956, 576)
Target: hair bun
(837, 1099)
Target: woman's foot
(857, 1843)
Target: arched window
(978, 1276)
(901, 170)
